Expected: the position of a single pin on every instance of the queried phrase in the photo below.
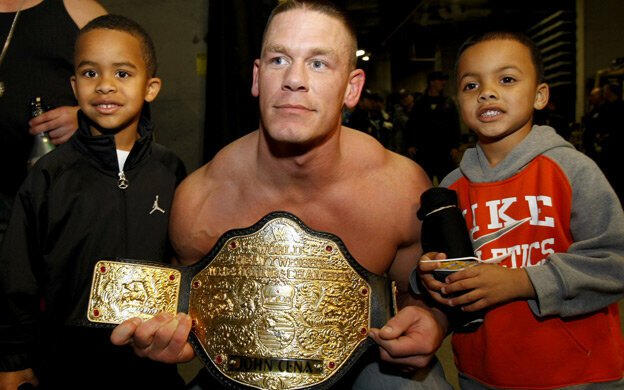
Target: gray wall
(178, 28)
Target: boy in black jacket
(105, 194)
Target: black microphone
(444, 230)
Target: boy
(552, 320)
(105, 194)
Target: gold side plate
(280, 308)
(120, 291)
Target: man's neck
(297, 166)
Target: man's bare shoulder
(83, 11)
(208, 194)
(383, 166)
(230, 165)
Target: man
(433, 132)
(302, 161)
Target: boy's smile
(498, 90)
(111, 82)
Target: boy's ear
(541, 96)
(355, 84)
(153, 87)
(72, 81)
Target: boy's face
(111, 81)
(498, 89)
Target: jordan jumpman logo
(155, 206)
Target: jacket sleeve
(20, 259)
(590, 275)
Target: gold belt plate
(120, 291)
(280, 308)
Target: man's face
(111, 81)
(303, 77)
(498, 89)
(438, 85)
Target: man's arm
(412, 336)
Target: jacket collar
(102, 147)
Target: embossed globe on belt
(274, 306)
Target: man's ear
(355, 84)
(541, 96)
(255, 90)
(72, 81)
(153, 87)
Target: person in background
(37, 62)
(433, 131)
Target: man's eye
(470, 86)
(507, 80)
(318, 64)
(122, 74)
(89, 74)
(278, 60)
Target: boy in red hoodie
(551, 305)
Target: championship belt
(274, 306)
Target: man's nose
(295, 78)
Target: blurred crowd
(425, 126)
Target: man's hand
(60, 123)
(488, 285)
(163, 338)
(10, 380)
(412, 337)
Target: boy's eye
(470, 86)
(507, 80)
(122, 74)
(89, 73)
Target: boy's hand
(424, 271)
(60, 123)
(163, 338)
(489, 285)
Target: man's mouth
(293, 107)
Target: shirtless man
(302, 160)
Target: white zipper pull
(123, 182)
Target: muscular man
(303, 161)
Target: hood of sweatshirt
(475, 166)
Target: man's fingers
(145, 333)
(164, 335)
(123, 333)
(412, 361)
(398, 324)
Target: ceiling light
(365, 58)
(359, 53)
